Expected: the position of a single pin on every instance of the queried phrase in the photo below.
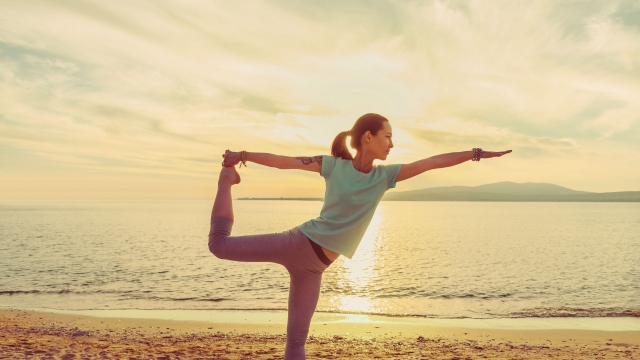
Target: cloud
(454, 135)
(149, 86)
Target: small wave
(574, 312)
(472, 296)
(19, 292)
(189, 299)
(432, 295)
(14, 292)
(63, 291)
(124, 295)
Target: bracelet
(477, 154)
(243, 158)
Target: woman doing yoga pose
(354, 187)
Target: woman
(354, 187)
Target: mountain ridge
(510, 191)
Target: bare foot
(229, 175)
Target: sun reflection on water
(357, 274)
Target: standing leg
(305, 274)
(304, 291)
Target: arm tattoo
(309, 160)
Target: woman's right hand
(230, 158)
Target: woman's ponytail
(339, 147)
(367, 122)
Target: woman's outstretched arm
(310, 163)
(441, 161)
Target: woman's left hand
(490, 154)
(230, 158)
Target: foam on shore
(256, 318)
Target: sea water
(429, 259)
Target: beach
(54, 335)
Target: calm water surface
(435, 259)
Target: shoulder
(390, 172)
(391, 169)
(339, 159)
(330, 159)
(327, 163)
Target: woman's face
(381, 143)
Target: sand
(45, 335)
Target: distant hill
(510, 191)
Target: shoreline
(279, 317)
(261, 335)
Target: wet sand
(45, 335)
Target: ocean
(424, 259)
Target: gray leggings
(290, 249)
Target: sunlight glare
(359, 271)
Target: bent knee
(215, 245)
(220, 231)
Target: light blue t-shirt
(350, 199)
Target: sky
(139, 99)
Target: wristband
(243, 158)
(477, 154)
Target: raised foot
(229, 176)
